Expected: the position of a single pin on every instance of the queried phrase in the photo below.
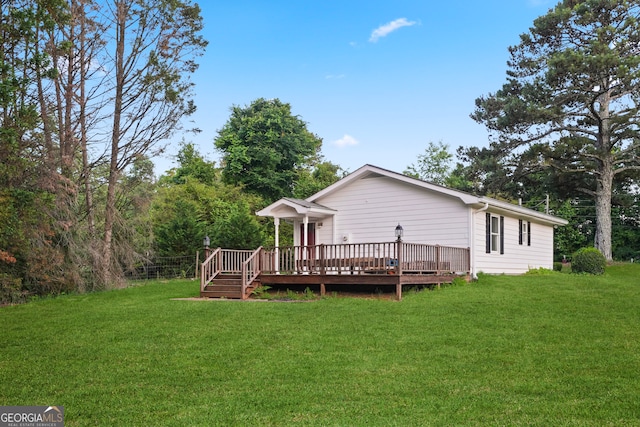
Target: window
(525, 233)
(495, 234)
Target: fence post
(195, 273)
(202, 277)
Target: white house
(367, 205)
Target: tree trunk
(110, 208)
(82, 120)
(49, 155)
(604, 174)
(603, 209)
(604, 181)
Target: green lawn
(545, 350)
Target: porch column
(276, 240)
(305, 236)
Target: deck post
(399, 290)
(276, 262)
(399, 257)
(323, 289)
(305, 241)
(438, 261)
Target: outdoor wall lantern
(206, 242)
(399, 232)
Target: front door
(311, 234)
(311, 239)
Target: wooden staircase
(227, 286)
(228, 273)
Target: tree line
(91, 90)
(88, 89)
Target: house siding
(517, 258)
(369, 210)
(366, 206)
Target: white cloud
(345, 141)
(386, 29)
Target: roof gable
(368, 171)
(288, 206)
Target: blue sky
(376, 80)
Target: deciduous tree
(193, 165)
(264, 147)
(434, 165)
(192, 202)
(155, 44)
(313, 179)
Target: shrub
(308, 294)
(261, 292)
(11, 291)
(588, 260)
(557, 266)
(459, 281)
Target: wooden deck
(235, 274)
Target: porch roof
(296, 208)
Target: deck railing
(210, 268)
(233, 259)
(226, 261)
(440, 259)
(250, 269)
(366, 258)
(353, 258)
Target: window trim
(494, 234)
(488, 233)
(524, 232)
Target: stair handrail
(250, 270)
(210, 268)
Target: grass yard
(543, 350)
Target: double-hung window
(495, 234)
(525, 233)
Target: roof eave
(298, 208)
(509, 208)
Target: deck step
(216, 293)
(228, 282)
(226, 286)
